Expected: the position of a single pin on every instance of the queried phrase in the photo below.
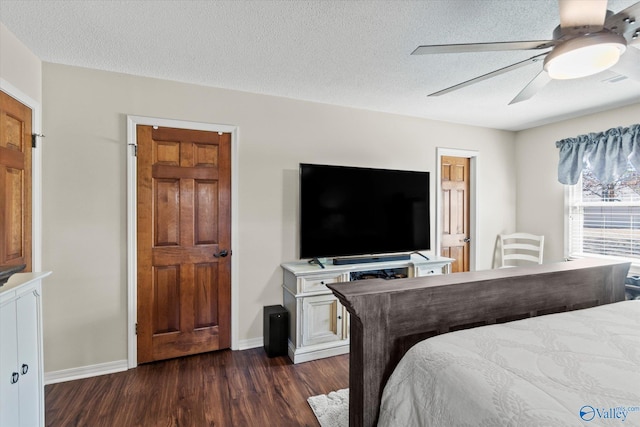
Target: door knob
(223, 253)
(467, 239)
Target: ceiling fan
(589, 39)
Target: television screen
(346, 211)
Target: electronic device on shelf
(387, 274)
(362, 212)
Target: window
(604, 219)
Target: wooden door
(455, 211)
(184, 238)
(15, 182)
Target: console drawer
(421, 271)
(318, 283)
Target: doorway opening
(456, 207)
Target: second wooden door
(455, 211)
(184, 238)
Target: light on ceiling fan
(585, 55)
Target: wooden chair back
(521, 248)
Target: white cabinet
(318, 323)
(21, 369)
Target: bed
(555, 370)
(389, 317)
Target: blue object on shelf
(632, 280)
(632, 287)
(8, 271)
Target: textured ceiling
(350, 53)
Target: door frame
(473, 199)
(132, 246)
(36, 171)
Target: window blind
(604, 219)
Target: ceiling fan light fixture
(584, 55)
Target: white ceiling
(350, 53)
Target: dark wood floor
(224, 388)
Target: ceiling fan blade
(483, 47)
(581, 13)
(490, 75)
(626, 23)
(537, 83)
(629, 64)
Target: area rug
(331, 410)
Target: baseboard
(71, 374)
(250, 343)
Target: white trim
(36, 172)
(474, 233)
(250, 343)
(320, 351)
(132, 264)
(566, 222)
(132, 122)
(85, 372)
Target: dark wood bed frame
(390, 316)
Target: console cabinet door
(21, 390)
(9, 381)
(27, 318)
(322, 320)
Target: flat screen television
(350, 211)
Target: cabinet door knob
(25, 368)
(339, 317)
(15, 377)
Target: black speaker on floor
(276, 326)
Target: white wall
(540, 202)
(19, 66)
(85, 197)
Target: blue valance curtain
(606, 154)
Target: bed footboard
(390, 316)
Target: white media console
(318, 323)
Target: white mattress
(567, 369)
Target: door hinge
(136, 329)
(34, 138)
(135, 149)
